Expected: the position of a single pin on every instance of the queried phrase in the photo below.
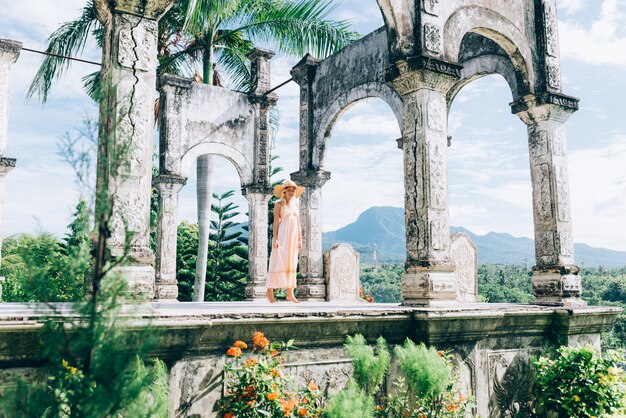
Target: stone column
(166, 286)
(311, 286)
(304, 74)
(129, 61)
(258, 198)
(429, 277)
(9, 52)
(555, 276)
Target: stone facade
(427, 51)
(128, 74)
(9, 53)
(492, 344)
(465, 258)
(341, 270)
(199, 119)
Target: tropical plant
(186, 254)
(256, 384)
(43, 269)
(579, 382)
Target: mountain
(384, 226)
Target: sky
(489, 183)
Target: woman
(287, 241)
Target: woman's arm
(277, 207)
(299, 232)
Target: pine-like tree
(227, 266)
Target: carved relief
(342, 273)
(545, 243)
(431, 7)
(567, 243)
(511, 379)
(432, 38)
(437, 178)
(439, 234)
(314, 199)
(463, 254)
(542, 191)
(5, 73)
(539, 144)
(554, 77)
(437, 114)
(562, 190)
(137, 46)
(558, 141)
(552, 39)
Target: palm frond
(91, 84)
(297, 27)
(68, 40)
(236, 66)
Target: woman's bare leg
(270, 296)
(291, 297)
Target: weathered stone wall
(492, 343)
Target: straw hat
(278, 189)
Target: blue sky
(489, 172)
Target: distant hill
(384, 226)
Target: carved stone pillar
(9, 53)
(129, 61)
(429, 277)
(166, 286)
(304, 74)
(555, 276)
(258, 198)
(311, 286)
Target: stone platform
(492, 343)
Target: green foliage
(369, 368)
(44, 269)
(258, 387)
(186, 255)
(426, 369)
(94, 366)
(350, 402)
(504, 283)
(227, 263)
(580, 383)
(383, 285)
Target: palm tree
(217, 35)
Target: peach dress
(284, 259)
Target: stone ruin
(417, 63)
(341, 270)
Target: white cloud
(602, 42)
(571, 6)
(598, 194)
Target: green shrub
(350, 402)
(369, 367)
(427, 371)
(580, 383)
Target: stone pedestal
(258, 199)
(128, 75)
(429, 277)
(464, 256)
(555, 276)
(166, 286)
(311, 286)
(341, 269)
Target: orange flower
(229, 415)
(288, 406)
(234, 352)
(251, 362)
(303, 412)
(272, 396)
(259, 340)
(305, 400)
(241, 345)
(273, 353)
(313, 386)
(441, 353)
(462, 398)
(250, 403)
(277, 373)
(452, 407)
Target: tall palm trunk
(204, 192)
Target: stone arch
(243, 167)
(498, 30)
(342, 103)
(477, 68)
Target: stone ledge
(201, 328)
